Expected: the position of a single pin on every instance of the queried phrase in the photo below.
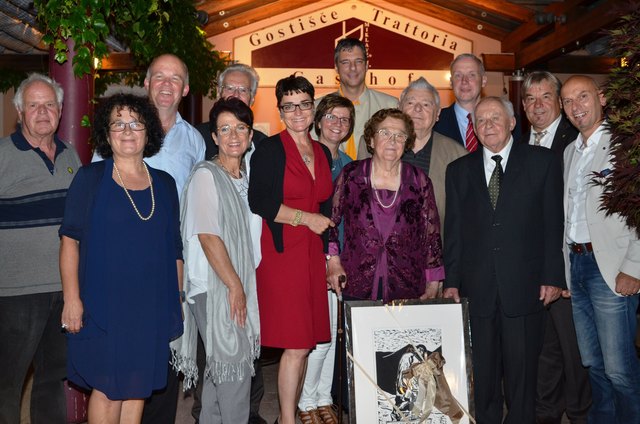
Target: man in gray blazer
(602, 257)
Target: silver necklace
(135, 208)
(306, 159)
(375, 191)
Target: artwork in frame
(409, 362)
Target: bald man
(602, 256)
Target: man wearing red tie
(468, 77)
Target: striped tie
(537, 137)
(470, 140)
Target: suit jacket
(443, 152)
(615, 246)
(507, 254)
(565, 134)
(447, 125)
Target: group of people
(186, 251)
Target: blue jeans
(30, 334)
(606, 328)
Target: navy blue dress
(128, 282)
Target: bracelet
(297, 218)
(183, 296)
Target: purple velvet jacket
(414, 247)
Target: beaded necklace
(135, 208)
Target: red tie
(470, 140)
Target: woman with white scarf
(220, 281)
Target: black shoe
(257, 419)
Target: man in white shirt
(602, 257)
(167, 82)
(563, 383)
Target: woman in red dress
(290, 187)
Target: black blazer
(507, 254)
(266, 186)
(447, 124)
(565, 134)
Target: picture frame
(385, 346)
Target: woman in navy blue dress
(121, 264)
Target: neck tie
(495, 180)
(538, 136)
(470, 140)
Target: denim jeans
(606, 328)
(30, 333)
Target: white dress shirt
(578, 180)
(547, 140)
(490, 164)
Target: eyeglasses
(231, 89)
(387, 136)
(241, 129)
(333, 118)
(120, 126)
(291, 107)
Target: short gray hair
(18, 99)
(536, 77)
(508, 106)
(240, 67)
(420, 84)
(468, 56)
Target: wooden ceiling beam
(530, 28)
(454, 18)
(220, 11)
(572, 64)
(268, 10)
(505, 62)
(503, 8)
(25, 62)
(577, 27)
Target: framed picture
(409, 362)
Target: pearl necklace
(135, 208)
(375, 191)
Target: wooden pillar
(191, 108)
(515, 96)
(78, 96)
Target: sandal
(328, 414)
(310, 417)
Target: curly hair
(371, 127)
(293, 84)
(141, 106)
(327, 104)
(232, 105)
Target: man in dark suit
(241, 81)
(503, 251)
(563, 383)
(468, 78)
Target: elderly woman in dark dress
(290, 179)
(121, 264)
(392, 247)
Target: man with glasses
(352, 63)
(241, 81)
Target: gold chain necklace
(135, 208)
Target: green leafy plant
(147, 28)
(622, 187)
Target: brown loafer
(328, 414)
(310, 417)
